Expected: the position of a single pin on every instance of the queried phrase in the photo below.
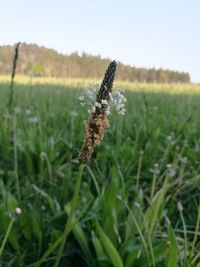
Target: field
(139, 203)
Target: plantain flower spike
(98, 121)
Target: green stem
(185, 239)
(153, 185)
(196, 231)
(139, 170)
(7, 235)
(16, 158)
(71, 213)
(49, 169)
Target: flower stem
(7, 234)
(71, 213)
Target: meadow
(139, 203)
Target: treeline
(40, 61)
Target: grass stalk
(153, 186)
(71, 213)
(196, 231)
(11, 97)
(7, 234)
(16, 158)
(185, 236)
(139, 169)
(49, 169)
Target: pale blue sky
(143, 33)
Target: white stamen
(104, 102)
(97, 104)
(81, 98)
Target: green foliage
(109, 247)
(172, 256)
(38, 70)
(118, 220)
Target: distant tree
(38, 70)
(41, 61)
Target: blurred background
(160, 40)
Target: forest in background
(40, 61)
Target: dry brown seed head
(98, 121)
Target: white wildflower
(18, 211)
(179, 206)
(169, 138)
(156, 169)
(43, 155)
(171, 170)
(169, 166)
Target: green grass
(127, 211)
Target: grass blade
(109, 247)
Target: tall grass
(127, 213)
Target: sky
(142, 33)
